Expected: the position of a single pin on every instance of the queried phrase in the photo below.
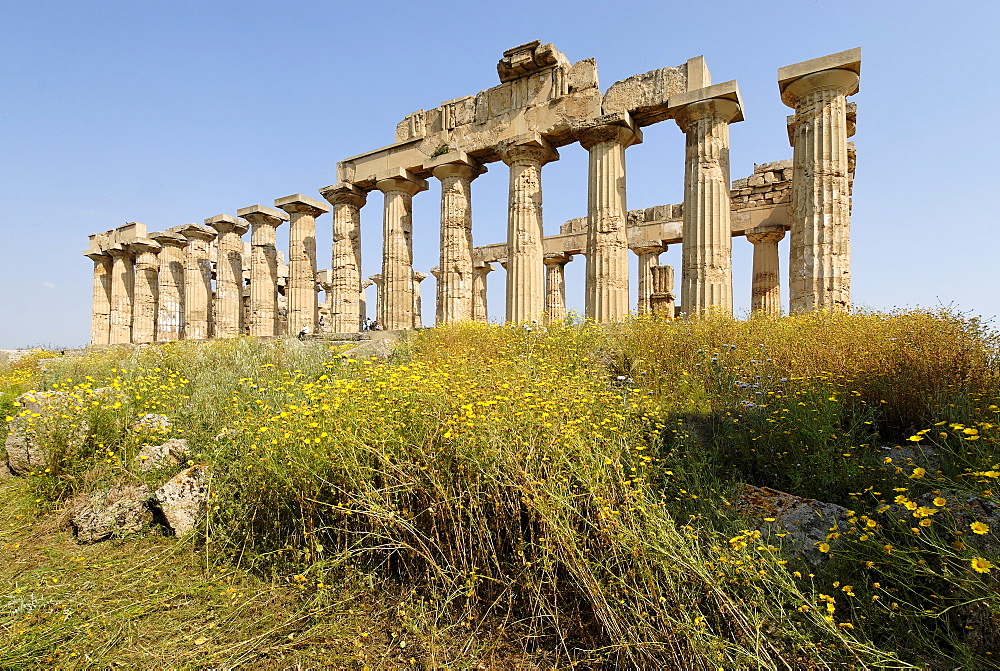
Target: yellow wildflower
(981, 565)
(979, 528)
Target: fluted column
(197, 282)
(347, 201)
(228, 275)
(146, 289)
(765, 295)
(263, 313)
(661, 301)
(455, 170)
(395, 301)
(606, 293)
(100, 315)
(377, 281)
(479, 273)
(122, 284)
(525, 270)
(649, 256)
(555, 285)
(301, 287)
(418, 320)
(170, 298)
(820, 263)
(706, 254)
(363, 302)
(436, 272)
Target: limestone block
(528, 58)
(152, 423)
(31, 440)
(412, 127)
(184, 498)
(583, 75)
(111, 513)
(153, 457)
(646, 96)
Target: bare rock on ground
(111, 513)
(152, 422)
(30, 441)
(184, 498)
(170, 453)
(374, 350)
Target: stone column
(649, 256)
(146, 289)
(377, 281)
(455, 170)
(418, 321)
(122, 284)
(555, 285)
(436, 272)
(264, 222)
(706, 255)
(170, 302)
(662, 299)
(525, 270)
(363, 302)
(347, 201)
(396, 295)
(228, 275)
(605, 139)
(765, 296)
(197, 282)
(820, 263)
(479, 273)
(100, 316)
(301, 287)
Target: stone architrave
(363, 303)
(455, 170)
(479, 273)
(344, 299)
(765, 296)
(418, 320)
(706, 255)
(170, 302)
(301, 287)
(555, 285)
(525, 155)
(662, 299)
(820, 248)
(228, 274)
(145, 290)
(197, 282)
(100, 318)
(606, 139)
(264, 221)
(122, 284)
(396, 295)
(649, 256)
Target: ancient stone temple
(203, 281)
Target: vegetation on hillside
(550, 496)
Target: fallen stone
(183, 499)
(374, 350)
(152, 422)
(112, 513)
(29, 444)
(170, 453)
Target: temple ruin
(199, 281)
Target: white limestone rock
(170, 453)
(152, 422)
(29, 444)
(184, 498)
(112, 513)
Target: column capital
(262, 215)
(167, 239)
(419, 276)
(648, 247)
(142, 246)
(482, 268)
(718, 100)
(118, 251)
(197, 232)
(557, 258)
(766, 233)
(227, 223)
(344, 193)
(840, 81)
(299, 204)
(845, 60)
(618, 128)
(366, 283)
(454, 164)
(399, 179)
(528, 147)
(376, 278)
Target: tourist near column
(820, 240)
(145, 291)
(345, 298)
(649, 256)
(525, 155)
(706, 253)
(606, 288)
(661, 301)
(170, 300)
(228, 274)
(100, 309)
(765, 293)
(122, 282)
(555, 285)
(197, 282)
(395, 301)
(455, 170)
(479, 273)
(301, 287)
(418, 321)
(264, 221)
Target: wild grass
(566, 492)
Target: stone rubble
(183, 499)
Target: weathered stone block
(583, 75)
(184, 498)
(112, 513)
(170, 453)
(645, 96)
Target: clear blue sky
(171, 112)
